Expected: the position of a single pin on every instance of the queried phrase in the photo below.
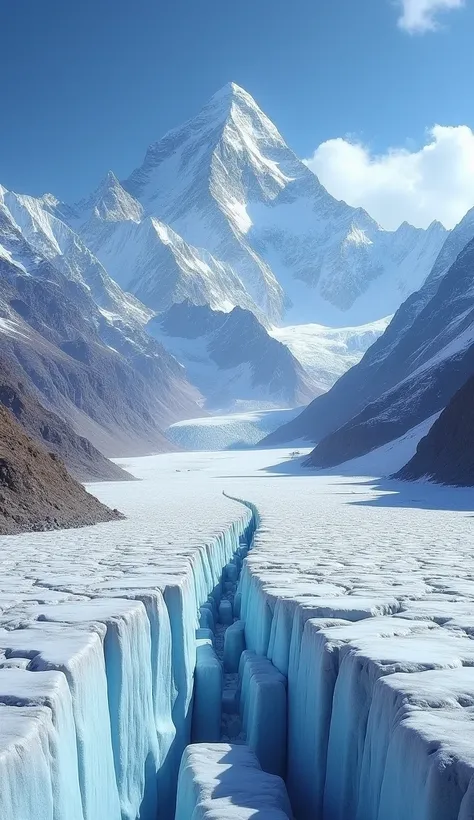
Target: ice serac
(230, 215)
(48, 691)
(225, 780)
(79, 656)
(27, 788)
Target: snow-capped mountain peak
(109, 203)
(226, 185)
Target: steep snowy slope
(231, 358)
(100, 371)
(229, 195)
(385, 363)
(435, 357)
(150, 260)
(55, 242)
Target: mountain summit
(247, 223)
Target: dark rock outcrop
(446, 454)
(36, 491)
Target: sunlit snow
(357, 595)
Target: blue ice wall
(370, 735)
(96, 696)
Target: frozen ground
(359, 590)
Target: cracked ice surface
(97, 648)
(359, 591)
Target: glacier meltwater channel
(157, 667)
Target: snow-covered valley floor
(359, 591)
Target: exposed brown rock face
(82, 459)
(36, 491)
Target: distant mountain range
(222, 212)
(220, 275)
(77, 342)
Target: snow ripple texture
(359, 591)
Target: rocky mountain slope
(36, 491)
(435, 357)
(231, 358)
(221, 214)
(79, 341)
(446, 454)
(426, 322)
(82, 459)
(222, 211)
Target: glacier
(345, 636)
(110, 618)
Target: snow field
(358, 591)
(109, 614)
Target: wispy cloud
(419, 16)
(434, 182)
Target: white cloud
(435, 182)
(419, 16)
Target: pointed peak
(230, 90)
(110, 202)
(109, 181)
(231, 93)
(436, 225)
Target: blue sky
(88, 85)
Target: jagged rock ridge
(79, 341)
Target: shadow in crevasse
(234, 779)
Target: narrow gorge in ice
(252, 638)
